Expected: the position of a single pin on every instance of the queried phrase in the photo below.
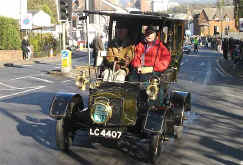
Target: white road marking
(193, 55)
(26, 76)
(202, 64)
(66, 81)
(13, 88)
(27, 65)
(222, 70)
(14, 94)
(41, 79)
(221, 73)
(8, 86)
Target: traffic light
(65, 9)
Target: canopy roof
(145, 16)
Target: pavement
(227, 67)
(29, 62)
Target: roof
(194, 12)
(149, 16)
(213, 13)
(229, 11)
(33, 12)
(210, 12)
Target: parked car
(187, 49)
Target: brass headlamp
(81, 81)
(101, 110)
(153, 88)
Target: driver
(120, 54)
(151, 56)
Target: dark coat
(97, 45)
(24, 45)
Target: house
(97, 23)
(212, 21)
(40, 18)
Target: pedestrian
(219, 45)
(97, 47)
(195, 42)
(225, 47)
(25, 47)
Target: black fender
(64, 102)
(154, 122)
(181, 100)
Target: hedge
(9, 34)
(42, 43)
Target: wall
(10, 55)
(213, 23)
(145, 5)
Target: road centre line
(41, 79)
(14, 94)
(13, 88)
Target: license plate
(105, 133)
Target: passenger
(151, 56)
(120, 54)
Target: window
(227, 19)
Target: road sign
(26, 21)
(66, 60)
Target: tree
(49, 6)
(46, 9)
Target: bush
(9, 34)
(42, 43)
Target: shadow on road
(42, 99)
(13, 65)
(41, 130)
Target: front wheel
(155, 147)
(63, 140)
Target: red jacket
(162, 61)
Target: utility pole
(220, 6)
(87, 31)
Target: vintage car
(118, 110)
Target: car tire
(63, 140)
(178, 131)
(155, 148)
(178, 128)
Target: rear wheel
(63, 139)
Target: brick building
(212, 21)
